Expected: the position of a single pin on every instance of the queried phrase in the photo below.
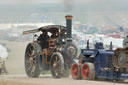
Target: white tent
(117, 42)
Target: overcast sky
(76, 4)
(41, 1)
(61, 1)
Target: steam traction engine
(101, 63)
(55, 52)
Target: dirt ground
(15, 61)
(17, 76)
(48, 80)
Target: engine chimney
(69, 26)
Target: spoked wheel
(76, 71)
(31, 60)
(57, 65)
(88, 71)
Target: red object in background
(114, 36)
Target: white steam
(3, 52)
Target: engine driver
(43, 38)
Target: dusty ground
(15, 61)
(48, 80)
(15, 66)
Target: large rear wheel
(88, 71)
(57, 65)
(31, 60)
(76, 73)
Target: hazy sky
(62, 1)
(94, 5)
(68, 6)
(91, 3)
(42, 1)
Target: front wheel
(31, 60)
(57, 65)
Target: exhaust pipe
(69, 26)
